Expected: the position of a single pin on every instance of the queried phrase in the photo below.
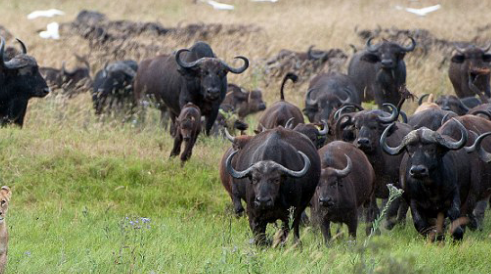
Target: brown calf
(188, 127)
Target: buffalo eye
(254, 180)
(276, 181)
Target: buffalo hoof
(389, 225)
(239, 212)
(458, 234)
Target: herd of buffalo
(338, 164)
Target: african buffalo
(439, 178)
(193, 75)
(242, 101)
(328, 92)
(470, 65)
(69, 81)
(379, 71)
(452, 103)
(368, 126)
(279, 169)
(431, 118)
(312, 131)
(20, 80)
(280, 112)
(346, 184)
(188, 127)
(113, 86)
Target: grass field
(81, 187)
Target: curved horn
(234, 173)
(345, 107)
(340, 125)
(314, 56)
(2, 50)
(183, 63)
(239, 69)
(394, 150)
(420, 101)
(483, 154)
(122, 67)
(411, 47)
(458, 144)
(228, 136)
(309, 101)
(325, 130)
(447, 116)
(289, 123)
(486, 49)
(403, 116)
(393, 116)
(459, 49)
(370, 47)
(299, 173)
(483, 112)
(22, 45)
(341, 173)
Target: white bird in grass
(51, 31)
(421, 12)
(220, 6)
(44, 13)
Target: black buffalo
(113, 86)
(193, 75)
(368, 127)
(282, 111)
(470, 65)
(379, 71)
(328, 92)
(70, 81)
(346, 184)
(279, 169)
(438, 176)
(20, 80)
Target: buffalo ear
(188, 72)
(458, 58)
(6, 191)
(392, 129)
(370, 57)
(486, 58)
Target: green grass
(76, 189)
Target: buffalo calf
(188, 127)
(347, 182)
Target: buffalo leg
(419, 220)
(188, 149)
(454, 214)
(177, 146)
(326, 230)
(297, 215)
(479, 212)
(259, 230)
(210, 121)
(238, 208)
(352, 225)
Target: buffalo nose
(418, 171)
(262, 106)
(387, 63)
(186, 138)
(264, 201)
(213, 91)
(363, 142)
(325, 201)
